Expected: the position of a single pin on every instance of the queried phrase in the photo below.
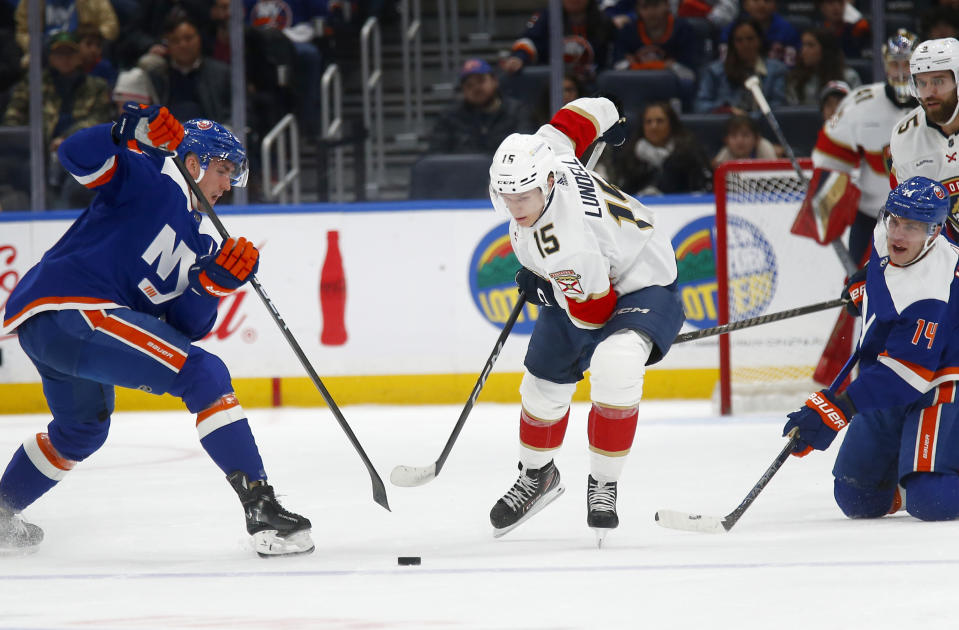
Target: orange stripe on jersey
(836, 150)
(526, 46)
(926, 439)
(100, 176)
(52, 303)
(225, 402)
(55, 458)
(135, 337)
(579, 126)
(594, 311)
(918, 370)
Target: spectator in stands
(572, 89)
(588, 37)
(721, 84)
(620, 12)
(482, 118)
(781, 38)
(297, 20)
(91, 54)
(830, 97)
(820, 62)
(742, 141)
(145, 32)
(66, 15)
(847, 24)
(663, 157)
(72, 100)
(658, 40)
(10, 53)
(939, 22)
(133, 85)
(191, 85)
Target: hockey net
(762, 268)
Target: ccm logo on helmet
(826, 410)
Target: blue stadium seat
(527, 85)
(636, 88)
(800, 124)
(708, 129)
(863, 67)
(450, 176)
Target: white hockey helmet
(935, 55)
(895, 50)
(521, 163)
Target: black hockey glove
(854, 291)
(617, 133)
(537, 290)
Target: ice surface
(147, 534)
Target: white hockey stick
(716, 525)
(410, 476)
(752, 84)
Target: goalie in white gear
(605, 278)
(924, 141)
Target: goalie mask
(936, 55)
(521, 163)
(207, 140)
(896, 52)
(915, 209)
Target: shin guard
(611, 433)
(226, 436)
(34, 469)
(540, 438)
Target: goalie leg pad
(618, 368)
(932, 496)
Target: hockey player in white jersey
(924, 142)
(605, 277)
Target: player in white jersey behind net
(605, 279)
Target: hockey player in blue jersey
(118, 301)
(902, 447)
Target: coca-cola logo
(229, 320)
(8, 276)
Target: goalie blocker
(830, 206)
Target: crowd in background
(802, 51)
(98, 54)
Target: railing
(412, 64)
(331, 126)
(371, 70)
(449, 36)
(286, 177)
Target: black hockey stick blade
(379, 488)
(411, 476)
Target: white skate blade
(412, 476)
(546, 499)
(690, 522)
(10, 552)
(270, 545)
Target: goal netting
(763, 268)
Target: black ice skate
(16, 535)
(533, 490)
(275, 531)
(601, 508)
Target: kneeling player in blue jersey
(902, 447)
(120, 298)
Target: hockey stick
(760, 319)
(379, 489)
(716, 525)
(409, 476)
(752, 84)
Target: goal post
(761, 267)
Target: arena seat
(450, 176)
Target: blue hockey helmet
(207, 140)
(919, 199)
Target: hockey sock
(226, 436)
(933, 496)
(540, 438)
(35, 468)
(611, 431)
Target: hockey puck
(407, 561)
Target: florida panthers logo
(568, 281)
